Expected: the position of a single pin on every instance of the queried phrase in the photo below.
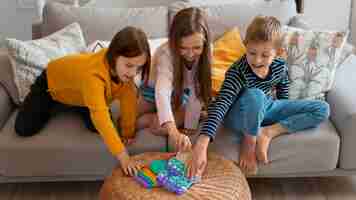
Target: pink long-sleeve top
(161, 77)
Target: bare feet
(248, 162)
(263, 142)
(266, 134)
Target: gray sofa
(66, 151)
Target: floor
(333, 188)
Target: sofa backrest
(238, 13)
(103, 23)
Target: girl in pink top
(180, 80)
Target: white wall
(328, 14)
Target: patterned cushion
(30, 58)
(312, 57)
(299, 21)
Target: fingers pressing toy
(170, 174)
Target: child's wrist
(123, 156)
(203, 141)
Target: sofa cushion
(240, 13)
(64, 147)
(103, 23)
(313, 150)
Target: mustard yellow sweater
(84, 80)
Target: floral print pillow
(312, 58)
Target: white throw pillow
(30, 58)
(312, 57)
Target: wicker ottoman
(222, 180)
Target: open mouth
(258, 66)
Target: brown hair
(185, 23)
(129, 42)
(264, 29)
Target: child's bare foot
(248, 162)
(263, 142)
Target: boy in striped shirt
(245, 103)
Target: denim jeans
(253, 109)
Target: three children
(245, 102)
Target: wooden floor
(333, 188)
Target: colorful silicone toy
(146, 178)
(170, 174)
(158, 166)
(173, 183)
(176, 167)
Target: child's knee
(324, 110)
(253, 98)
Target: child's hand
(198, 162)
(180, 141)
(129, 166)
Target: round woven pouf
(222, 180)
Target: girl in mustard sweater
(90, 82)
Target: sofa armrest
(6, 106)
(342, 100)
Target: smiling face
(191, 47)
(260, 54)
(128, 67)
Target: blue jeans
(253, 109)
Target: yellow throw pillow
(227, 49)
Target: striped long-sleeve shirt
(239, 76)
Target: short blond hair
(264, 29)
